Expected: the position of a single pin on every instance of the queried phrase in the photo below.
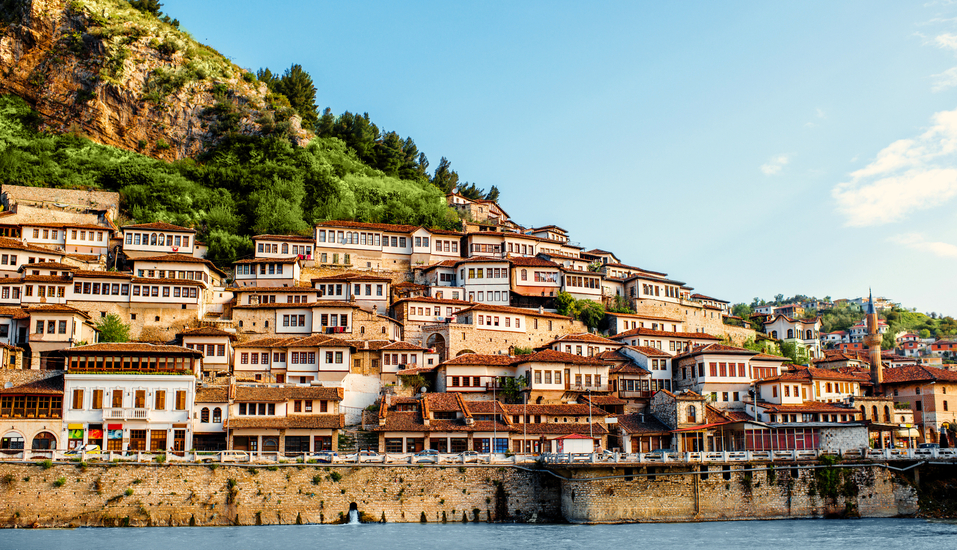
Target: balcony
(634, 394)
(126, 414)
(586, 387)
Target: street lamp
(590, 430)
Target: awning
(74, 426)
(114, 426)
(908, 432)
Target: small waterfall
(353, 517)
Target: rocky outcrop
(125, 78)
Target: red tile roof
(481, 360)
(552, 356)
(293, 421)
(131, 347)
(649, 351)
(514, 310)
(918, 373)
(291, 238)
(521, 261)
(285, 393)
(641, 424)
(388, 227)
(352, 277)
(715, 348)
(664, 333)
(585, 337)
(14, 244)
(159, 226)
(208, 331)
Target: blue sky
(747, 149)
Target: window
(77, 399)
(159, 400)
(180, 400)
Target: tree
(924, 333)
(620, 306)
(566, 304)
(778, 298)
(151, 7)
(797, 354)
(493, 194)
(512, 387)
(266, 77)
(889, 341)
(297, 86)
(416, 382)
(112, 329)
(591, 313)
(742, 310)
(470, 191)
(444, 177)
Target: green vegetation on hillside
(845, 315)
(240, 187)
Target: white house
(267, 271)
(134, 396)
(283, 246)
(158, 238)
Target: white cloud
(944, 80)
(907, 175)
(946, 41)
(774, 165)
(918, 242)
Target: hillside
(126, 78)
(102, 95)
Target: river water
(870, 534)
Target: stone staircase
(354, 439)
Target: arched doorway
(43, 441)
(437, 342)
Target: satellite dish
(8, 385)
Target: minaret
(873, 341)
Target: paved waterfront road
(869, 534)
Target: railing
(606, 457)
(748, 456)
(126, 414)
(634, 394)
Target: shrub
(336, 476)
(128, 492)
(46, 464)
(60, 482)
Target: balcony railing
(126, 414)
(634, 394)
(586, 387)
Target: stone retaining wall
(64, 495)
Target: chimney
(231, 392)
(375, 309)
(541, 309)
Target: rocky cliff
(124, 78)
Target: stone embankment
(107, 494)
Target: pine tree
(151, 7)
(297, 86)
(444, 177)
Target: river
(870, 534)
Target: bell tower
(873, 341)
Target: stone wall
(169, 494)
(696, 318)
(459, 338)
(728, 493)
